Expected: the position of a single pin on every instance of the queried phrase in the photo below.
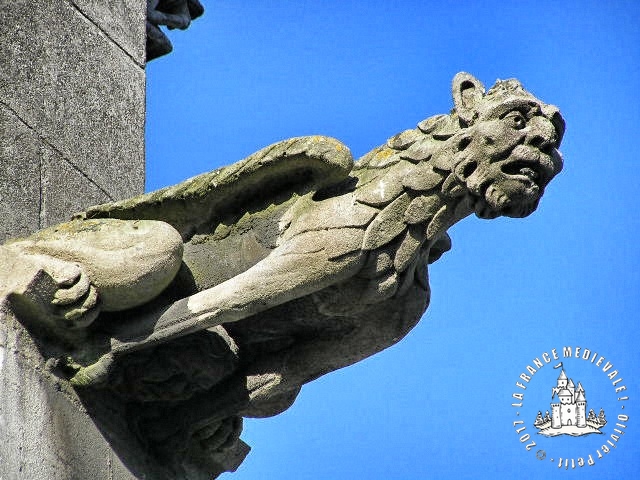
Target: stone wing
(298, 165)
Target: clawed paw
(74, 303)
(54, 291)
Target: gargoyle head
(507, 147)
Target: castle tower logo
(568, 411)
(570, 434)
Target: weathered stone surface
(71, 135)
(288, 272)
(46, 431)
(60, 180)
(78, 90)
(123, 22)
(39, 187)
(20, 150)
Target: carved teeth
(522, 168)
(528, 172)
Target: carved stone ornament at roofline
(172, 14)
(218, 298)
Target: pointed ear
(467, 92)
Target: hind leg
(304, 265)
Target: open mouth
(508, 198)
(531, 165)
(522, 168)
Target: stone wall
(72, 92)
(72, 88)
(45, 428)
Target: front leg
(46, 292)
(60, 278)
(306, 263)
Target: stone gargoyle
(218, 298)
(172, 14)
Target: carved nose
(541, 133)
(554, 115)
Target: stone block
(45, 428)
(19, 177)
(79, 90)
(43, 434)
(123, 22)
(37, 186)
(59, 179)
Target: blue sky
(438, 405)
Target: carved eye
(516, 120)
